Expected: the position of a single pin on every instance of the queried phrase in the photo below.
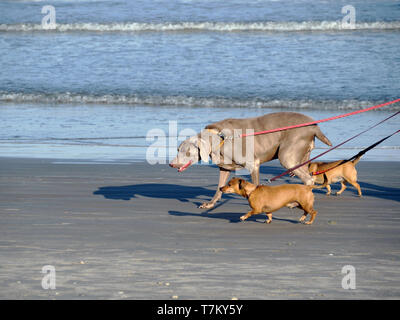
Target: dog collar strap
(220, 135)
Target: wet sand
(133, 231)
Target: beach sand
(133, 231)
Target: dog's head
(191, 151)
(238, 186)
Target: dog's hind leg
(303, 174)
(310, 211)
(303, 217)
(351, 177)
(313, 213)
(357, 186)
(289, 158)
(307, 205)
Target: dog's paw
(206, 205)
(302, 218)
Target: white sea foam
(203, 26)
(186, 101)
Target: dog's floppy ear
(240, 184)
(204, 149)
(209, 145)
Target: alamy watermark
(349, 280)
(49, 20)
(349, 20)
(49, 279)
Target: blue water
(113, 70)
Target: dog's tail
(355, 161)
(323, 185)
(321, 136)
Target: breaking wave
(187, 101)
(267, 26)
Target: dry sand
(133, 231)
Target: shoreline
(106, 132)
(96, 153)
(133, 231)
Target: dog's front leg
(255, 173)
(328, 187)
(248, 214)
(342, 189)
(223, 177)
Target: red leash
(329, 150)
(322, 120)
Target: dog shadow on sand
(197, 195)
(182, 193)
(229, 216)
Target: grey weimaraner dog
(219, 140)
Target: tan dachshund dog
(271, 198)
(341, 172)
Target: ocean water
(111, 71)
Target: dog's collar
(219, 134)
(247, 195)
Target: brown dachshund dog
(271, 198)
(344, 173)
